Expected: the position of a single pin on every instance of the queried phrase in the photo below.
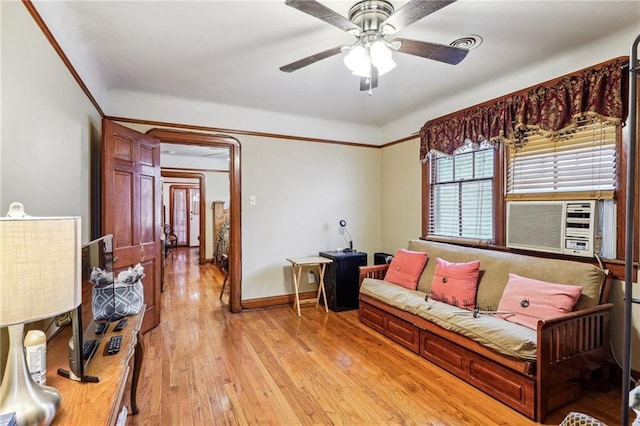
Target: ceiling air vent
(467, 42)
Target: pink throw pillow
(406, 267)
(532, 300)
(456, 283)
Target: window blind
(583, 160)
(461, 195)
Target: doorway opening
(182, 210)
(234, 239)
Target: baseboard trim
(269, 302)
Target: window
(580, 164)
(461, 194)
(581, 161)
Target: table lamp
(343, 225)
(39, 278)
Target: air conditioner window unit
(563, 227)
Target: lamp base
(33, 404)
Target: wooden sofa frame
(570, 348)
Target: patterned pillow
(532, 300)
(580, 419)
(456, 283)
(406, 267)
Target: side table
(342, 281)
(297, 264)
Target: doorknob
(115, 259)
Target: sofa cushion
(495, 267)
(531, 300)
(406, 267)
(455, 283)
(502, 336)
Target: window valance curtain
(550, 109)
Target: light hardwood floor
(206, 366)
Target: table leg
(138, 357)
(296, 284)
(321, 269)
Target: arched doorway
(235, 237)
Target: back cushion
(495, 267)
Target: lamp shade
(40, 271)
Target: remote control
(101, 327)
(114, 344)
(120, 325)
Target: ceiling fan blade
(320, 11)
(369, 83)
(437, 52)
(294, 66)
(412, 12)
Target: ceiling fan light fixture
(381, 57)
(358, 62)
(388, 29)
(360, 59)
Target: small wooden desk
(296, 269)
(97, 403)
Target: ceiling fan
(370, 21)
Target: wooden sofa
(566, 350)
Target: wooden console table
(97, 403)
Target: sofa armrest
(570, 346)
(375, 271)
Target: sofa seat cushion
(502, 336)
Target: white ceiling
(194, 151)
(229, 52)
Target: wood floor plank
(206, 366)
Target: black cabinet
(341, 279)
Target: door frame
(235, 207)
(201, 184)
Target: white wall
(302, 191)
(401, 195)
(47, 125)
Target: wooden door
(131, 207)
